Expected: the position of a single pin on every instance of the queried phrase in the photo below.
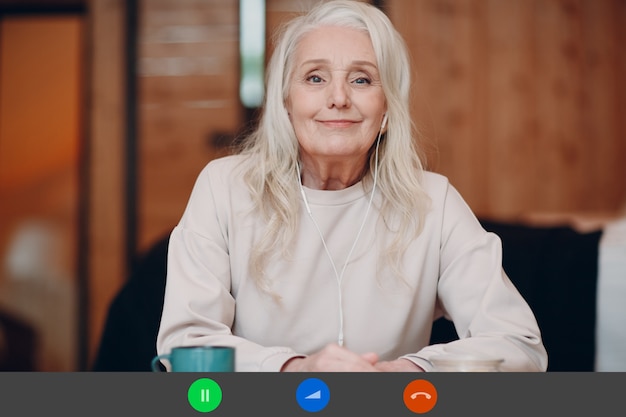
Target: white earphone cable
(339, 276)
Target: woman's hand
(398, 365)
(333, 358)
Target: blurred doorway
(40, 137)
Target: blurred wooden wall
(523, 99)
(521, 104)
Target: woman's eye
(362, 80)
(314, 79)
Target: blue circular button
(313, 395)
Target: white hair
(273, 146)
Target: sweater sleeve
(198, 307)
(489, 314)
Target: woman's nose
(339, 94)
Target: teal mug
(198, 359)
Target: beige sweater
(453, 268)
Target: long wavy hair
(273, 149)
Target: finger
(370, 357)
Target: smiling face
(335, 101)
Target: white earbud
(384, 123)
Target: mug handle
(156, 362)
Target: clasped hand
(334, 358)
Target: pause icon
(204, 395)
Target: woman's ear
(287, 108)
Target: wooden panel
(557, 79)
(512, 142)
(523, 99)
(603, 102)
(107, 263)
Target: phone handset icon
(420, 396)
(425, 394)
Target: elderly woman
(323, 244)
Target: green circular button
(204, 395)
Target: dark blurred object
(18, 344)
(556, 271)
(129, 338)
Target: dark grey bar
(353, 394)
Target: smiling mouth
(338, 123)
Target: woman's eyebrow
(365, 63)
